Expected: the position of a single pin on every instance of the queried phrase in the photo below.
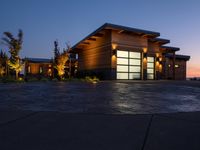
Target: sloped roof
(120, 28)
(183, 57)
(39, 60)
(159, 40)
(170, 49)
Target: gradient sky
(44, 21)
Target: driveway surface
(108, 97)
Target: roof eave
(109, 25)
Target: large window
(128, 65)
(150, 67)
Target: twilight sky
(44, 21)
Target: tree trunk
(16, 75)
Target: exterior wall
(180, 70)
(98, 57)
(128, 41)
(153, 48)
(47, 68)
(95, 58)
(154, 51)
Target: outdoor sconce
(160, 60)
(114, 51)
(145, 55)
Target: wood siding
(35, 68)
(180, 71)
(97, 54)
(153, 48)
(128, 40)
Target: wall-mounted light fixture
(157, 59)
(145, 55)
(114, 52)
(160, 60)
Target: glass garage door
(128, 65)
(150, 68)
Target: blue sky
(44, 21)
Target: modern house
(119, 52)
(38, 66)
(45, 67)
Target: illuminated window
(134, 75)
(122, 68)
(134, 55)
(122, 75)
(134, 61)
(150, 70)
(150, 67)
(176, 66)
(150, 76)
(150, 59)
(134, 68)
(29, 69)
(128, 65)
(76, 56)
(122, 53)
(122, 61)
(41, 70)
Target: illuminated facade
(118, 52)
(45, 67)
(39, 66)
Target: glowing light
(176, 66)
(145, 50)
(114, 46)
(2, 70)
(160, 67)
(157, 54)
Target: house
(45, 67)
(38, 66)
(119, 52)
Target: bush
(91, 79)
(10, 79)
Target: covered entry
(128, 65)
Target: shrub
(91, 79)
(10, 79)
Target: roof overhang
(160, 41)
(107, 26)
(181, 57)
(38, 60)
(169, 49)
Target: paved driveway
(109, 97)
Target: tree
(15, 45)
(61, 64)
(3, 63)
(56, 51)
(60, 60)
